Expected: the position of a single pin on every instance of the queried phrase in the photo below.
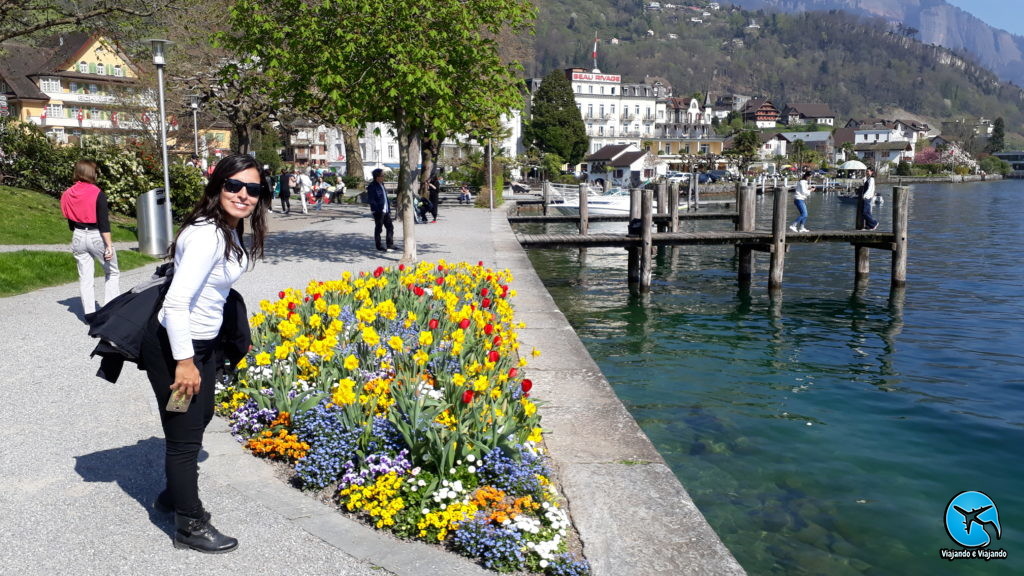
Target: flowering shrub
(401, 390)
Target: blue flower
(498, 548)
(517, 476)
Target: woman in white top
(803, 192)
(182, 355)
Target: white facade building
(616, 113)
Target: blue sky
(1005, 14)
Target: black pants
(383, 220)
(286, 206)
(183, 431)
(433, 206)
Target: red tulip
(418, 291)
(280, 294)
(432, 324)
(401, 267)
(378, 271)
(480, 263)
(467, 396)
(496, 341)
(512, 372)
(291, 305)
(483, 291)
(526, 385)
(488, 329)
(493, 356)
(440, 268)
(486, 302)
(316, 297)
(464, 324)
(440, 281)
(306, 299)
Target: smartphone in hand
(179, 401)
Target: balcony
(78, 97)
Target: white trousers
(86, 246)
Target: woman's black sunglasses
(233, 186)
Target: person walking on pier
(868, 196)
(803, 192)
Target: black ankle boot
(198, 534)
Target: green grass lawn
(35, 218)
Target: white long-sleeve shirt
(803, 190)
(194, 306)
(869, 193)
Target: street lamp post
(158, 60)
(194, 101)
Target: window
(101, 69)
(577, 88)
(94, 89)
(613, 109)
(637, 108)
(54, 111)
(590, 110)
(391, 150)
(613, 90)
(611, 130)
(50, 85)
(73, 86)
(600, 130)
(118, 71)
(591, 89)
(601, 110)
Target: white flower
(543, 563)
(471, 469)
(451, 471)
(415, 471)
(470, 458)
(425, 511)
(457, 486)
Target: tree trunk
(242, 136)
(353, 153)
(408, 187)
(427, 159)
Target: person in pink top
(85, 207)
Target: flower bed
(401, 392)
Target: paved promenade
(82, 459)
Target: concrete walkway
(83, 459)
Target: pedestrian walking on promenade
(868, 195)
(85, 207)
(377, 195)
(284, 183)
(182, 353)
(305, 186)
(434, 195)
(803, 192)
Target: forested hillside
(861, 67)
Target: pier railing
(649, 228)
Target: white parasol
(853, 165)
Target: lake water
(827, 431)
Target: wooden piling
(746, 205)
(861, 253)
(673, 207)
(633, 254)
(584, 224)
(778, 260)
(646, 242)
(662, 204)
(545, 191)
(900, 213)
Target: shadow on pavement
(137, 469)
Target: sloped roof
(627, 159)
(897, 145)
(18, 64)
(811, 110)
(806, 136)
(607, 153)
(843, 135)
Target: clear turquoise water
(825, 433)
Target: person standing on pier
(803, 192)
(868, 195)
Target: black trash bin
(153, 222)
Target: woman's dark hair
(807, 175)
(208, 208)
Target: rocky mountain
(936, 22)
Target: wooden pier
(642, 238)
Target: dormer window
(83, 67)
(101, 69)
(118, 72)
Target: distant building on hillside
(761, 112)
(803, 113)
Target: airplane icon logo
(967, 516)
